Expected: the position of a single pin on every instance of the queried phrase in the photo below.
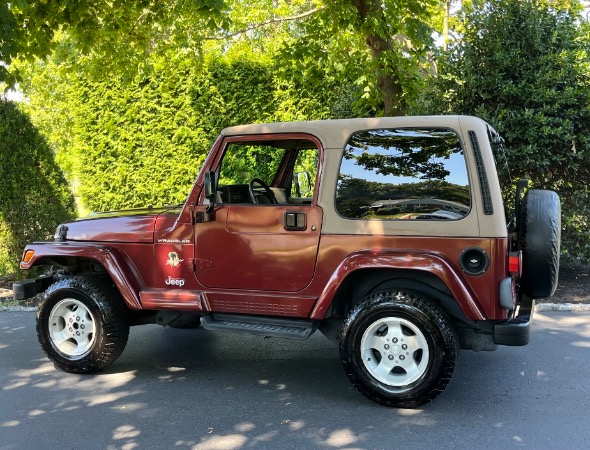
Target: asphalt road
(179, 389)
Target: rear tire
(398, 348)
(82, 324)
(540, 243)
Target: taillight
(515, 263)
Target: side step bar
(261, 326)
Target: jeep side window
(287, 167)
(402, 174)
(243, 162)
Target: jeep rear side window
(403, 174)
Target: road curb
(539, 307)
(17, 309)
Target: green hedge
(131, 143)
(34, 196)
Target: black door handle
(295, 220)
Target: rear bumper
(516, 331)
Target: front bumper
(516, 331)
(21, 290)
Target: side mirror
(210, 190)
(209, 185)
(302, 184)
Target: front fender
(427, 262)
(122, 272)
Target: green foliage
(10, 34)
(119, 34)
(242, 163)
(377, 49)
(34, 196)
(140, 142)
(523, 66)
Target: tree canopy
(111, 31)
(381, 45)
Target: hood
(133, 226)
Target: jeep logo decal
(175, 281)
(173, 260)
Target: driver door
(258, 240)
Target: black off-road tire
(540, 241)
(77, 305)
(416, 314)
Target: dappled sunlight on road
(341, 438)
(276, 388)
(80, 391)
(227, 442)
(197, 390)
(124, 436)
(410, 412)
(45, 376)
(250, 435)
(117, 398)
(11, 423)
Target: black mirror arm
(210, 191)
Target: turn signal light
(28, 256)
(515, 263)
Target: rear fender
(426, 262)
(120, 270)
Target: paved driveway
(182, 389)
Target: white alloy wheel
(394, 351)
(71, 327)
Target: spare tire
(540, 239)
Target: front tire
(398, 348)
(82, 324)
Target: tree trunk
(387, 80)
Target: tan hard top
(335, 133)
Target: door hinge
(201, 264)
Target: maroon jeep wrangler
(389, 235)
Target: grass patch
(6, 302)
(6, 299)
